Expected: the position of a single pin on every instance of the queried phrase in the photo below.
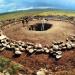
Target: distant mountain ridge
(37, 9)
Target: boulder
(63, 45)
(41, 72)
(59, 42)
(59, 52)
(38, 46)
(55, 47)
(39, 50)
(12, 44)
(17, 49)
(4, 44)
(8, 46)
(46, 50)
(2, 41)
(73, 40)
(2, 37)
(58, 56)
(2, 49)
(73, 45)
(51, 50)
(68, 45)
(22, 49)
(2, 73)
(1, 45)
(67, 39)
(29, 44)
(29, 47)
(31, 50)
(64, 48)
(35, 49)
(18, 52)
(54, 42)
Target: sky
(14, 5)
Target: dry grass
(35, 12)
(59, 31)
(61, 13)
(32, 63)
(70, 72)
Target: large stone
(8, 46)
(41, 72)
(73, 45)
(17, 49)
(59, 52)
(38, 46)
(68, 45)
(2, 73)
(64, 48)
(51, 50)
(2, 37)
(7, 73)
(67, 39)
(1, 45)
(2, 49)
(12, 44)
(4, 44)
(23, 45)
(31, 50)
(18, 52)
(2, 41)
(39, 50)
(55, 47)
(58, 56)
(21, 48)
(63, 45)
(29, 47)
(59, 42)
(73, 40)
(30, 44)
(54, 42)
(46, 50)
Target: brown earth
(34, 62)
(59, 31)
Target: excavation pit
(40, 27)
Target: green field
(43, 12)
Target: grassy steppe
(43, 12)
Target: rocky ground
(53, 49)
(59, 31)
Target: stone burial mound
(18, 47)
(40, 27)
(38, 31)
(49, 46)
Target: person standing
(23, 22)
(43, 22)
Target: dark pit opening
(40, 27)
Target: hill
(32, 12)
